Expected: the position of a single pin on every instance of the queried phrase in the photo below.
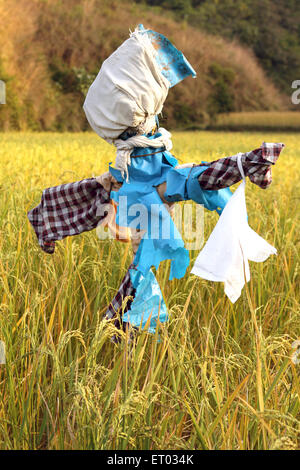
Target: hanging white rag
(232, 243)
(125, 148)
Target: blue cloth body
(140, 207)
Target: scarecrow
(122, 106)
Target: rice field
(221, 375)
(259, 120)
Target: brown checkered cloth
(68, 209)
(121, 303)
(256, 165)
(126, 289)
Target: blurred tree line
(270, 27)
(51, 52)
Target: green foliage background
(270, 27)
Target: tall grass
(218, 377)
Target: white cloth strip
(125, 148)
(240, 166)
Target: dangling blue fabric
(172, 63)
(162, 240)
(140, 207)
(148, 302)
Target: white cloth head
(129, 90)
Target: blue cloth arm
(183, 184)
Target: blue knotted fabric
(172, 63)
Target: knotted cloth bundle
(125, 147)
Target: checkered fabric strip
(256, 165)
(68, 209)
(126, 289)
